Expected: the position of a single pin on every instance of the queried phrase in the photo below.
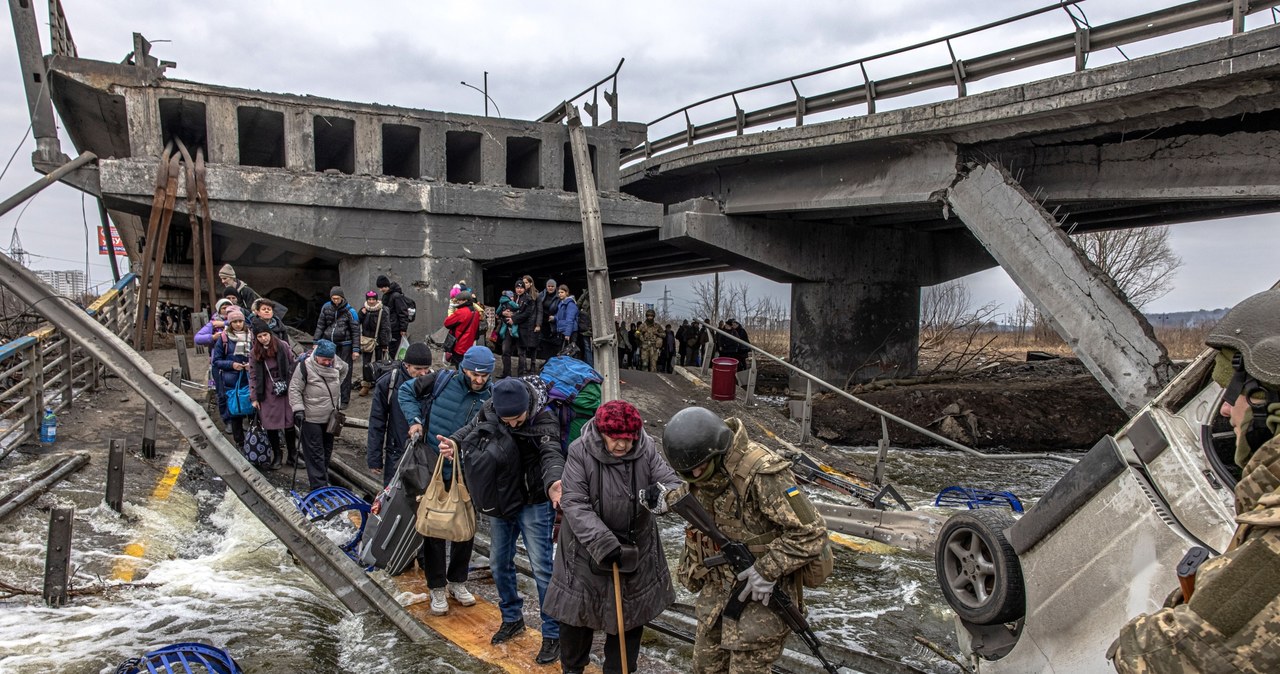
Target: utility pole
(666, 303)
(604, 340)
(715, 307)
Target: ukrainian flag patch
(793, 491)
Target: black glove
(611, 557)
(298, 418)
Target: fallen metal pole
(347, 581)
(886, 414)
(48, 179)
(57, 557)
(40, 483)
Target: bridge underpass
(859, 213)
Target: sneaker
(439, 601)
(549, 653)
(462, 594)
(510, 630)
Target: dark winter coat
(388, 428)
(600, 510)
(220, 368)
(537, 440)
(398, 307)
(548, 305)
(273, 410)
(525, 319)
(456, 405)
(244, 294)
(370, 326)
(337, 324)
(505, 328)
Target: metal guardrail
(1082, 41)
(883, 414)
(47, 369)
(592, 106)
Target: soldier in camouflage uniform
(651, 335)
(1232, 622)
(773, 517)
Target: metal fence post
(149, 433)
(57, 558)
(35, 388)
(751, 382)
(69, 357)
(184, 365)
(806, 413)
(878, 477)
(115, 475)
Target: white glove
(757, 587)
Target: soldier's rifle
(739, 558)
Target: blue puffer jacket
(567, 316)
(456, 405)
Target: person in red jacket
(463, 325)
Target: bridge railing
(46, 369)
(959, 72)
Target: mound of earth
(1043, 405)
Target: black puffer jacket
(600, 509)
(538, 441)
(398, 306)
(337, 324)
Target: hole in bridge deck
(571, 174)
(523, 162)
(400, 151)
(185, 120)
(462, 157)
(260, 137)
(335, 144)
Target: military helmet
(693, 436)
(1252, 328)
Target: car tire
(978, 570)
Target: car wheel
(977, 568)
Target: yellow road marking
(126, 567)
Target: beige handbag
(368, 344)
(446, 514)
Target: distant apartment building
(69, 283)
(629, 311)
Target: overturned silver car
(1051, 590)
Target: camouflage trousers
(710, 658)
(649, 356)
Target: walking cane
(617, 602)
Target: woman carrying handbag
(271, 366)
(313, 397)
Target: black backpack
(495, 476)
(411, 307)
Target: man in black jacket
(338, 324)
(388, 427)
(517, 414)
(397, 307)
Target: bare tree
(1139, 259)
(948, 325)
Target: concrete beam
(426, 279)
(1107, 333)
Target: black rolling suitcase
(390, 540)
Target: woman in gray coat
(604, 523)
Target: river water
(220, 577)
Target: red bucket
(724, 378)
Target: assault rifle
(739, 558)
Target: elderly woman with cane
(609, 573)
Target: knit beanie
(326, 349)
(217, 307)
(619, 419)
(227, 270)
(371, 294)
(337, 290)
(510, 397)
(478, 359)
(235, 314)
(258, 325)
(418, 354)
(382, 282)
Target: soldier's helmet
(650, 313)
(694, 436)
(1252, 329)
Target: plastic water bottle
(48, 427)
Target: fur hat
(326, 349)
(619, 419)
(418, 354)
(510, 397)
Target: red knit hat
(619, 419)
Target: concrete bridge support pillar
(850, 330)
(427, 280)
(1107, 333)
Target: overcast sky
(415, 54)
